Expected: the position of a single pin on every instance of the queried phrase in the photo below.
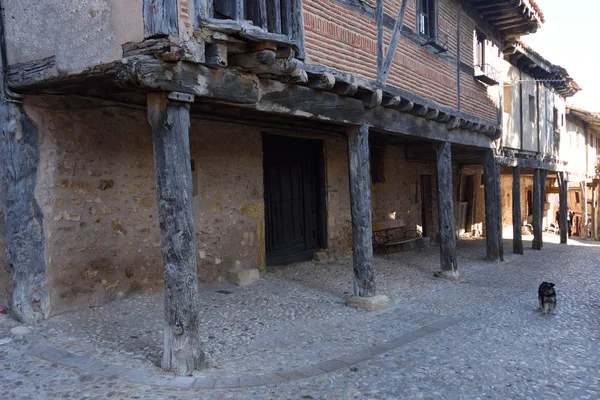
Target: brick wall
(342, 38)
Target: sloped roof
(532, 63)
(511, 18)
(592, 119)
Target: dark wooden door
(427, 204)
(469, 198)
(293, 198)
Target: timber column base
(373, 303)
(451, 275)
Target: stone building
(212, 136)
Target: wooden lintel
(149, 73)
(30, 73)
(281, 98)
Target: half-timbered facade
(152, 143)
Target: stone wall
(5, 278)
(339, 223)
(96, 188)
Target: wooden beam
(160, 18)
(389, 57)
(493, 207)
(516, 212)
(563, 186)
(149, 73)
(380, 29)
(360, 207)
(538, 205)
(170, 123)
(448, 260)
(297, 27)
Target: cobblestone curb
(110, 371)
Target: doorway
(294, 198)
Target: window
(426, 18)
(555, 120)
(480, 49)
(377, 164)
(508, 99)
(531, 108)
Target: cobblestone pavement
(497, 344)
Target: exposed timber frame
(170, 121)
(563, 191)
(516, 212)
(448, 260)
(160, 18)
(538, 206)
(493, 207)
(25, 239)
(360, 207)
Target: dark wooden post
(448, 261)
(516, 212)
(493, 207)
(170, 122)
(360, 207)
(563, 187)
(537, 210)
(594, 233)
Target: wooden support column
(516, 212)
(360, 207)
(563, 188)
(448, 262)
(170, 121)
(537, 210)
(594, 216)
(493, 207)
(28, 299)
(584, 213)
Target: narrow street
(481, 338)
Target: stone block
(243, 276)
(373, 303)
(320, 256)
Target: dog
(547, 298)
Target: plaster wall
(80, 33)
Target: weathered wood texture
(170, 123)
(516, 212)
(360, 207)
(448, 259)
(493, 211)
(389, 57)
(538, 205)
(297, 27)
(32, 72)
(563, 186)
(160, 18)
(148, 72)
(584, 213)
(25, 240)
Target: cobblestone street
(290, 335)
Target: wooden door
(294, 199)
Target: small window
(377, 164)
(531, 108)
(426, 21)
(577, 199)
(508, 99)
(555, 120)
(480, 49)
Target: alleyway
(291, 336)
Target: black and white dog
(547, 298)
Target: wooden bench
(386, 227)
